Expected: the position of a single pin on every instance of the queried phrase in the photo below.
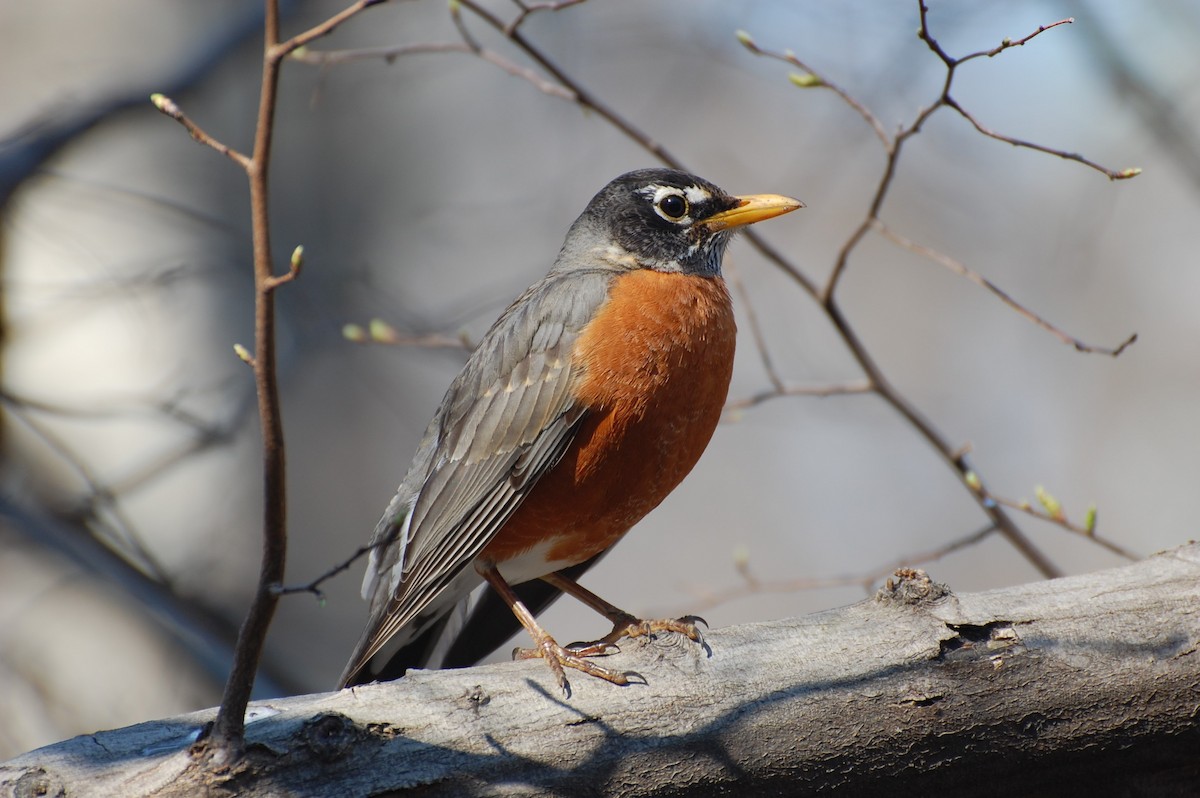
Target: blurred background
(428, 190)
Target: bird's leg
(545, 646)
(624, 624)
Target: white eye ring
(672, 207)
(691, 196)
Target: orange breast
(658, 359)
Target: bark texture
(1084, 685)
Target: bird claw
(560, 658)
(596, 648)
(633, 677)
(628, 626)
(575, 656)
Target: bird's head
(667, 220)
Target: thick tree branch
(1094, 678)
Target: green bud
(382, 332)
(1051, 505)
(805, 80)
(165, 104)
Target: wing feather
(506, 419)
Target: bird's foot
(625, 625)
(560, 658)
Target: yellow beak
(750, 209)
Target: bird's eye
(673, 206)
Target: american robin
(584, 405)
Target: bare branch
(226, 743)
(953, 63)
(760, 340)
(294, 266)
(168, 107)
(1111, 174)
(579, 94)
(119, 534)
(380, 332)
(893, 147)
(961, 270)
(314, 586)
(533, 8)
(949, 454)
(1051, 512)
(811, 78)
(1009, 43)
(279, 50)
(386, 54)
(752, 586)
(734, 407)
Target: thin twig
(875, 377)
(1063, 523)
(960, 269)
(1005, 525)
(893, 148)
(391, 54)
(381, 333)
(387, 54)
(1111, 174)
(314, 586)
(206, 634)
(756, 332)
(811, 78)
(580, 95)
(295, 265)
(205, 434)
(733, 407)
(946, 100)
(533, 8)
(752, 586)
(1051, 512)
(121, 537)
(277, 50)
(168, 107)
(1009, 43)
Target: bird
(584, 405)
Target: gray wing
(506, 419)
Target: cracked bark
(1085, 685)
